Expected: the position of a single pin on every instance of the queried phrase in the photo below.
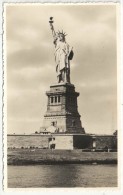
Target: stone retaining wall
(63, 141)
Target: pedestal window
(55, 99)
(51, 100)
(58, 99)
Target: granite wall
(106, 141)
(82, 141)
(27, 141)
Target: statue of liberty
(63, 55)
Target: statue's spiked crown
(61, 33)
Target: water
(62, 176)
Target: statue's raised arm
(52, 28)
(63, 54)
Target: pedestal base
(62, 112)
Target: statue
(63, 55)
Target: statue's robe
(61, 56)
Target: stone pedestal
(62, 111)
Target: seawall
(47, 156)
(63, 141)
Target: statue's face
(61, 37)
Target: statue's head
(61, 36)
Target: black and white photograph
(61, 91)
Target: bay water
(73, 175)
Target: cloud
(35, 56)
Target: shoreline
(58, 157)
(26, 163)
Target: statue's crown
(61, 32)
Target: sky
(91, 31)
